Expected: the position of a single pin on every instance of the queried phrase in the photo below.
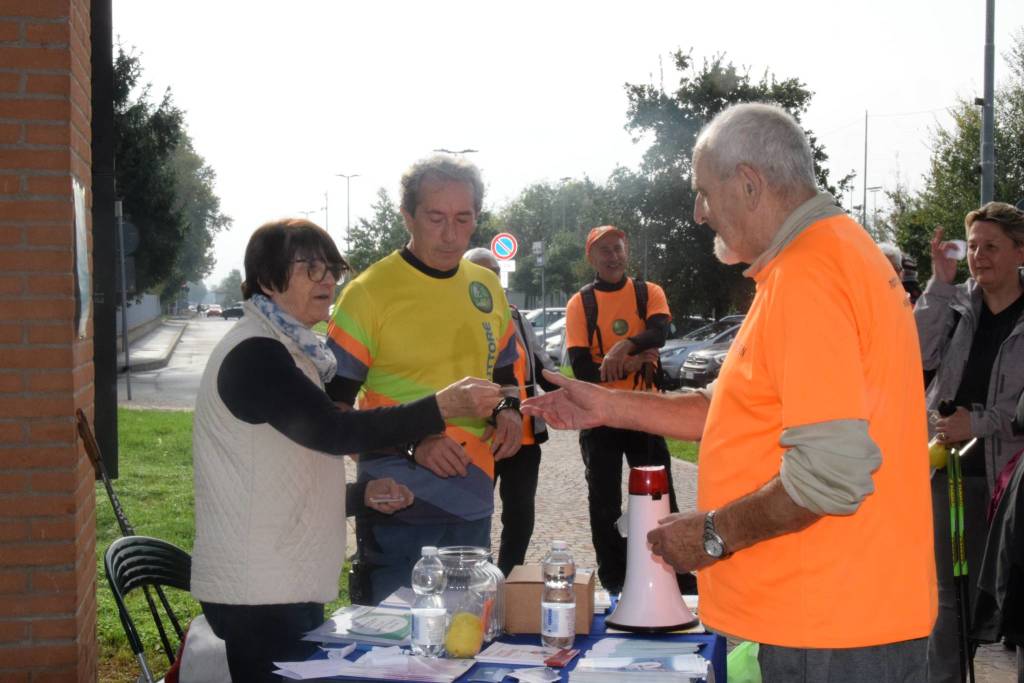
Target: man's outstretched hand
(576, 405)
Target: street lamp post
(348, 206)
(874, 209)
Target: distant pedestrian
(972, 338)
(614, 327)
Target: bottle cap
(559, 545)
(429, 551)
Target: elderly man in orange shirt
(813, 531)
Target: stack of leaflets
(366, 626)
(653, 661)
(379, 664)
(511, 653)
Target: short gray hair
(482, 257)
(764, 136)
(893, 253)
(443, 168)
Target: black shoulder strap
(640, 287)
(590, 312)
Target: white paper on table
(512, 653)
(403, 598)
(314, 668)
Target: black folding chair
(133, 562)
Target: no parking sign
(504, 246)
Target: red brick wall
(47, 500)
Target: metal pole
(864, 204)
(988, 154)
(124, 298)
(543, 299)
(348, 206)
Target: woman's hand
(943, 266)
(954, 429)
(469, 397)
(387, 496)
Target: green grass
(684, 450)
(155, 488)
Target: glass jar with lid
(470, 596)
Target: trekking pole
(964, 584)
(961, 581)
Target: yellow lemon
(465, 635)
(938, 455)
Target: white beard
(724, 253)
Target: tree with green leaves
(230, 288)
(145, 137)
(165, 185)
(659, 196)
(373, 239)
(952, 186)
(199, 207)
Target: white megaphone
(650, 601)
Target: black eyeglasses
(317, 269)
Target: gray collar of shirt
(822, 205)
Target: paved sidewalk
(153, 350)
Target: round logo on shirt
(481, 297)
(620, 327)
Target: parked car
(702, 367)
(675, 351)
(233, 311)
(213, 311)
(541, 318)
(554, 339)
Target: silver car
(676, 351)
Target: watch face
(712, 547)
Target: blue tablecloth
(713, 648)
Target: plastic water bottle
(429, 616)
(558, 601)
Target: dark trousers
(602, 449)
(256, 636)
(391, 550)
(516, 478)
(902, 662)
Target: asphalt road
(175, 386)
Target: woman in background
(972, 337)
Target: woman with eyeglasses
(972, 339)
(270, 497)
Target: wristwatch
(713, 543)
(507, 403)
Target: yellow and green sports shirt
(406, 334)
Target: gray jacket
(946, 349)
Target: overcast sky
(280, 97)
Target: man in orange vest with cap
(614, 327)
(813, 529)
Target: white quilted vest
(270, 514)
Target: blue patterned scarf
(325, 362)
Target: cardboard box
(523, 589)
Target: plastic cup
(956, 249)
